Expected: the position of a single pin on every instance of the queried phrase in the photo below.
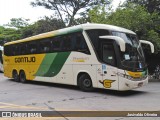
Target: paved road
(38, 96)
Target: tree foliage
(19, 29)
(98, 14)
(150, 5)
(47, 24)
(18, 23)
(43, 25)
(66, 10)
(133, 17)
(8, 34)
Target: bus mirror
(149, 43)
(118, 40)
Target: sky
(22, 9)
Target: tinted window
(80, 44)
(45, 46)
(23, 49)
(69, 42)
(94, 36)
(33, 48)
(109, 54)
(7, 50)
(56, 44)
(15, 49)
(96, 42)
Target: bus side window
(80, 44)
(8, 51)
(94, 37)
(66, 45)
(109, 54)
(32, 48)
(23, 49)
(15, 49)
(56, 43)
(45, 46)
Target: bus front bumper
(125, 84)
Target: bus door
(109, 65)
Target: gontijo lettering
(25, 59)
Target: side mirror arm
(149, 43)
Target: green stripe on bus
(52, 69)
(47, 61)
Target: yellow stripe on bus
(135, 74)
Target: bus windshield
(133, 57)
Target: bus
(87, 55)
(1, 59)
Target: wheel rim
(15, 76)
(87, 83)
(22, 77)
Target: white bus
(88, 55)
(1, 58)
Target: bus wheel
(15, 76)
(85, 83)
(22, 77)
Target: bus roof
(81, 27)
(107, 27)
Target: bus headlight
(125, 76)
(120, 74)
(130, 77)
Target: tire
(15, 76)
(85, 83)
(22, 77)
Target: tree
(133, 17)
(150, 5)
(27, 31)
(154, 37)
(98, 14)
(47, 24)
(18, 23)
(43, 25)
(66, 10)
(8, 34)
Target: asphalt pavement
(41, 96)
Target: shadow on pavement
(96, 90)
(47, 84)
(121, 93)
